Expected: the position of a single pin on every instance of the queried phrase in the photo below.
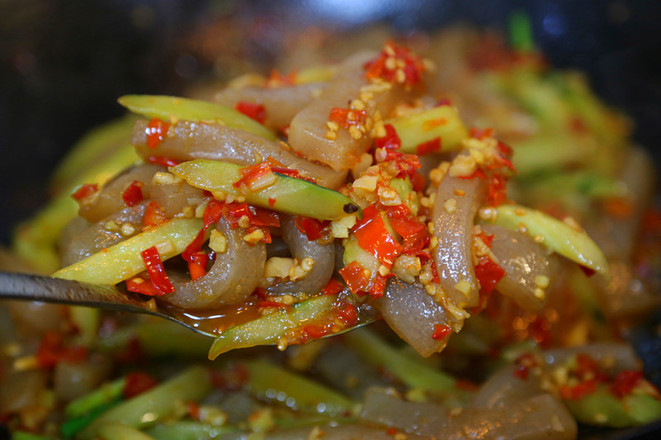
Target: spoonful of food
(314, 317)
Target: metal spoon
(46, 289)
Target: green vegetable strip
(268, 329)
(286, 194)
(298, 393)
(439, 122)
(73, 426)
(557, 235)
(122, 260)
(604, 409)
(171, 108)
(35, 240)
(87, 321)
(118, 431)
(156, 404)
(189, 430)
(414, 374)
(101, 396)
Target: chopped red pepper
(132, 195)
(142, 286)
(373, 236)
(163, 161)
(486, 238)
(198, 266)
(441, 331)
(253, 110)
(156, 131)
(154, 215)
(481, 133)
(347, 117)
(348, 314)
(392, 71)
(251, 175)
(156, 271)
(85, 191)
(276, 79)
(354, 276)
(488, 274)
(390, 141)
(311, 227)
(138, 383)
(432, 146)
(578, 391)
(625, 382)
(379, 286)
(264, 217)
(332, 288)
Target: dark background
(64, 63)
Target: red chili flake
(373, 236)
(418, 181)
(154, 215)
(540, 331)
(348, 314)
(478, 174)
(497, 190)
(347, 117)
(156, 131)
(251, 174)
(378, 287)
(443, 102)
(132, 195)
(235, 211)
(142, 286)
(441, 331)
(486, 238)
(163, 161)
(156, 271)
(432, 146)
(137, 383)
(313, 331)
(578, 125)
(392, 431)
(271, 202)
(382, 67)
(504, 149)
(587, 271)
(198, 266)
(488, 274)
(264, 217)
(253, 110)
(625, 382)
(354, 277)
(267, 233)
(311, 227)
(481, 133)
(193, 410)
(276, 79)
(523, 364)
(578, 391)
(390, 141)
(85, 191)
(332, 288)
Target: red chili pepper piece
(154, 215)
(163, 161)
(373, 236)
(132, 195)
(578, 391)
(156, 271)
(625, 382)
(138, 383)
(488, 274)
(432, 146)
(390, 141)
(379, 286)
(156, 131)
(347, 117)
(253, 110)
(251, 174)
(311, 227)
(52, 351)
(348, 314)
(198, 266)
(264, 217)
(142, 286)
(497, 190)
(332, 288)
(441, 331)
(354, 277)
(380, 67)
(85, 191)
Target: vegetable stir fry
(437, 196)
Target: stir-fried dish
(438, 199)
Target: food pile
(442, 197)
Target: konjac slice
(188, 140)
